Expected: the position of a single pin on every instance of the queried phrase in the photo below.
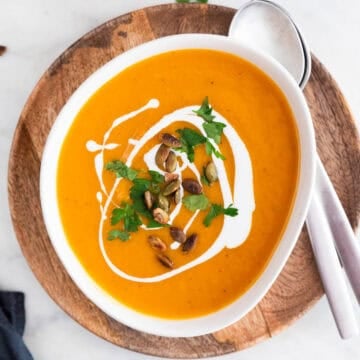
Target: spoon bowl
(268, 27)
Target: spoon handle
(348, 246)
(330, 269)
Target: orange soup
(177, 179)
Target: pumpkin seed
(177, 196)
(165, 260)
(192, 186)
(190, 243)
(156, 243)
(160, 216)
(163, 202)
(171, 187)
(161, 155)
(149, 201)
(170, 177)
(170, 140)
(211, 172)
(177, 234)
(171, 162)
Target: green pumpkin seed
(170, 177)
(149, 201)
(171, 187)
(177, 196)
(161, 156)
(211, 172)
(160, 216)
(171, 162)
(163, 202)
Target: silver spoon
(267, 26)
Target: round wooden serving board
(296, 289)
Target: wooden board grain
(297, 288)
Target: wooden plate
(297, 288)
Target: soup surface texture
(253, 106)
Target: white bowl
(236, 310)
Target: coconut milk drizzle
(242, 198)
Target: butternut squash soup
(176, 180)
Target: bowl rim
(48, 194)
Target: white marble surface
(36, 32)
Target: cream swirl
(235, 229)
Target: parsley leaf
(189, 150)
(137, 196)
(189, 139)
(121, 169)
(205, 111)
(210, 149)
(214, 130)
(231, 211)
(130, 218)
(138, 189)
(216, 210)
(128, 215)
(154, 224)
(132, 222)
(117, 215)
(196, 202)
(118, 234)
(142, 183)
(156, 177)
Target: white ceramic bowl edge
(236, 310)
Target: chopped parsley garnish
(154, 224)
(131, 222)
(121, 170)
(137, 196)
(118, 234)
(216, 210)
(210, 149)
(190, 138)
(213, 129)
(205, 111)
(156, 177)
(196, 202)
(147, 190)
(128, 215)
